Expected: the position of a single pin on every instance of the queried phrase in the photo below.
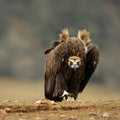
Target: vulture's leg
(73, 88)
(60, 88)
(92, 59)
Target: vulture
(69, 65)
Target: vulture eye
(78, 63)
(71, 63)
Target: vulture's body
(68, 68)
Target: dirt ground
(18, 102)
(79, 110)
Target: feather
(84, 35)
(64, 35)
(91, 64)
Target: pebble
(16, 101)
(72, 118)
(105, 115)
(38, 102)
(7, 109)
(22, 119)
(38, 118)
(93, 114)
(92, 118)
(62, 116)
(2, 111)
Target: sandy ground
(79, 110)
(17, 102)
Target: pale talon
(65, 93)
(70, 99)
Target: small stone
(22, 119)
(46, 101)
(105, 115)
(72, 118)
(2, 111)
(38, 118)
(7, 109)
(93, 114)
(92, 118)
(15, 101)
(52, 114)
(38, 102)
(62, 116)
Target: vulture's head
(74, 62)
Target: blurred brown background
(28, 26)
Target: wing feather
(92, 59)
(53, 64)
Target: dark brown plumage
(68, 68)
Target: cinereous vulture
(69, 65)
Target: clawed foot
(68, 96)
